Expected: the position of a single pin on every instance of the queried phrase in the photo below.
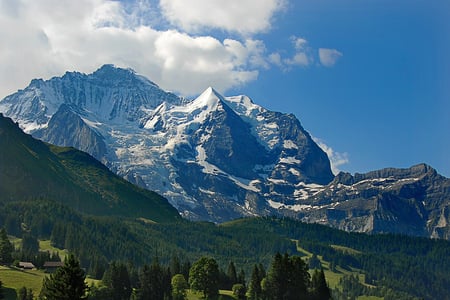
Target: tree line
(287, 278)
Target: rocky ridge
(217, 158)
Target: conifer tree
(175, 265)
(254, 287)
(154, 282)
(231, 274)
(25, 294)
(287, 279)
(67, 283)
(117, 279)
(320, 289)
(6, 248)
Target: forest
(389, 263)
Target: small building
(51, 266)
(26, 265)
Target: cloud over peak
(50, 37)
(244, 16)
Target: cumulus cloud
(329, 57)
(45, 38)
(53, 36)
(337, 159)
(302, 55)
(244, 16)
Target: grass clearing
(346, 250)
(45, 245)
(13, 279)
(223, 295)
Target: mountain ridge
(218, 158)
(31, 169)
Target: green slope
(31, 169)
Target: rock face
(217, 158)
(413, 201)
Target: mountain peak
(210, 92)
(210, 99)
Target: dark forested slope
(31, 169)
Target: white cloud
(244, 16)
(53, 36)
(329, 57)
(302, 56)
(337, 159)
(45, 38)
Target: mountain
(31, 169)
(217, 158)
(213, 158)
(413, 201)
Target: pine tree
(231, 274)
(275, 285)
(320, 289)
(154, 282)
(299, 278)
(241, 277)
(175, 266)
(6, 248)
(117, 279)
(67, 283)
(254, 287)
(287, 279)
(25, 294)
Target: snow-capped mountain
(214, 157)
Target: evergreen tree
(314, 262)
(241, 277)
(275, 285)
(204, 277)
(254, 287)
(67, 283)
(25, 294)
(30, 244)
(175, 265)
(154, 282)
(6, 248)
(299, 278)
(179, 287)
(320, 290)
(185, 269)
(231, 274)
(117, 279)
(287, 279)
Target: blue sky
(370, 80)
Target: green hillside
(73, 202)
(31, 169)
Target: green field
(13, 279)
(224, 295)
(45, 246)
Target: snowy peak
(209, 100)
(212, 148)
(108, 94)
(111, 74)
